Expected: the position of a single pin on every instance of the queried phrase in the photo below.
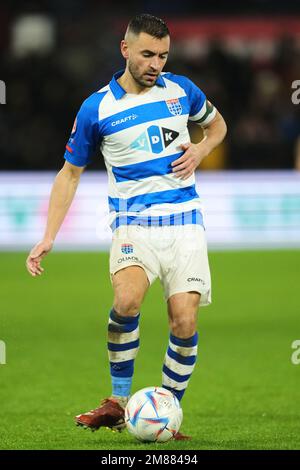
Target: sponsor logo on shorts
(129, 258)
(127, 248)
(195, 279)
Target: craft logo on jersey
(155, 139)
(174, 106)
(132, 117)
(127, 248)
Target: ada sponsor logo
(132, 117)
(2, 92)
(296, 354)
(129, 258)
(127, 248)
(155, 139)
(2, 352)
(196, 279)
(174, 106)
(296, 93)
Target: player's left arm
(214, 133)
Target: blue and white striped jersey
(139, 137)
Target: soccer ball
(153, 414)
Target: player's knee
(126, 305)
(183, 327)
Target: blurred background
(245, 58)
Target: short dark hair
(146, 23)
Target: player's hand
(185, 166)
(38, 252)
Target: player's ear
(124, 49)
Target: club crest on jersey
(127, 248)
(174, 106)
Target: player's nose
(155, 64)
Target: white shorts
(176, 254)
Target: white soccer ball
(153, 414)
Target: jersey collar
(119, 91)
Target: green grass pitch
(244, 393)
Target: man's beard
(139, 80)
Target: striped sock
(123, 344)
(179, 364)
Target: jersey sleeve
(205, 115)
(201, 110)
(84, 136)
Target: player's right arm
(80, 148)
(62, 194)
